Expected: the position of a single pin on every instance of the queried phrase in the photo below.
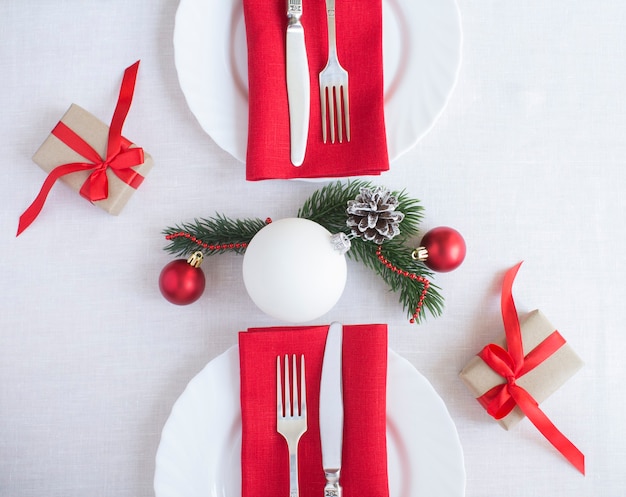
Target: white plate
(422, 55)
(200, 449)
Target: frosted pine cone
(372, 215)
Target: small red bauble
(444, 249)
(182, 281)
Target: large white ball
(292, 272)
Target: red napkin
(359, 46)
(264, 456)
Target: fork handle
(293, 473)
(332, 31)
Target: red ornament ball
(446, 249)
(182, 282)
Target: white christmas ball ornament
(292, 271)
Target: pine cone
(372, 216)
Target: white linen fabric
(527, 161)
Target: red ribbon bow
(511, 364)
(120, 158)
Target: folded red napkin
(264, 456)
(359, 46)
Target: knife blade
(331, 410)
(298, 83)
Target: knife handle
(332, 488)
(298, 85)
(294, 10)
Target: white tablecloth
(527, 161)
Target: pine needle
(327, 207)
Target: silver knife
(331, 410)
(298, 83)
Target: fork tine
(331, 112)
(323, 95)
(346, 111)
(340, 94)
(279, 389)
(295, 410)
(288, 408)
(302, 388)
(294, 404)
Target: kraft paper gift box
(53, 153)
(540, 382)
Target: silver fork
(291, 417)
(334, 85)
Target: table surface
(527, 161)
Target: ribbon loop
(511, 364)
(119, 157)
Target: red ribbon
(120, 158)
(511, 364)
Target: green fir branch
(398, 254)
(409, 290)
(327, 207)
(218, 231)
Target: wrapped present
(511, 377)
(91, 157)
(540, 382)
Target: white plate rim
(411, 470)
(220, 104)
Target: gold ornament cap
(195, 259)
(420, 254)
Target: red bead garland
(222, 246)
(407, 274)
(209, 246)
